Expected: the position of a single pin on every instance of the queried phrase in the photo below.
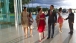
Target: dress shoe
(52, 37)
(48, 37)
(70, 33)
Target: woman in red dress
(60, 20)
(41, 23)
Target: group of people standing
(27, 21)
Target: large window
(7, 15)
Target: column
(17, 10)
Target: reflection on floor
(10, 34)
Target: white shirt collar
(52, 10)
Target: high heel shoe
(40, 40)
(31, 35)
(26, 36)
(43, 38)
(60, 31)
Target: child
(30, 24)
(60, 20)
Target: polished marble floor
(10, 34)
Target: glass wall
(10, 11)
(4, 13)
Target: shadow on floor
(67, 40)
(49, 40)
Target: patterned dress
(24, 19)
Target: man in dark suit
(52, 19)
(70, 20)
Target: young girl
(60, 20)
(30, 24)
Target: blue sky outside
(56, 3)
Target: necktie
(50, 12)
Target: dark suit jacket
(70, 17)
(52, 18)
